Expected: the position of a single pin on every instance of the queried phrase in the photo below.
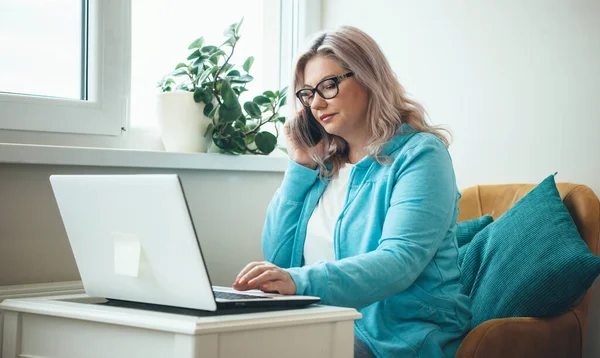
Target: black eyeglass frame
(335, 79)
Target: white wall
(518, 83)
(228, 209)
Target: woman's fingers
(248, 267)
(254, 272)
(266, 276)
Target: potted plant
(209, 85)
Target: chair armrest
(558, 336)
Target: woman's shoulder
(410, 142)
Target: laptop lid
(133, 239)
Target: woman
(367, 218)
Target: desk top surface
(83, 307)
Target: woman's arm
(284, 213)
(421, 211)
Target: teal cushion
(530, 262)
(466, 230)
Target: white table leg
(1, 328)
(343, 340)
(205, 346)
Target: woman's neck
(356, 154)
(356, 145)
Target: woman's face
(345, 114)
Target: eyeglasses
(327, 89)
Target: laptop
(133, 240)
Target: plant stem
(189, 73)
(221, 68)
(261, 123)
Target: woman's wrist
(312, 165)
(308, 164)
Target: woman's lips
(327, 117)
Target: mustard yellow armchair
(559, 336)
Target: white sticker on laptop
(127, 254)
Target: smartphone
(313, 127)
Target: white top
(319, 233)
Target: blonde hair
(388, 107)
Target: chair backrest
(580, 200)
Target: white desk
(73, 326)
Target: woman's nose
(318, 102)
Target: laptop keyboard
(236, 296)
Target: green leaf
(239, 124)
(197, 43)
(265, 142)
(209, 49)
(229, 31)
(282, 101)
(238, 142)
(200, 60)
(261, 100)
(212, 113)
(238, 25)
(229, 98)
(280, 119)
(198, 95)
(283, 91)
(243, 79)
(180, 72)
(209, 129)
(229, 115)
(207, 97)
(203, 76)
(194, 55)
(214, 58)
(252, 109)
(229, 42)
(249, 138)
(233, 73)
(248, 63)
(269, 94)
(180, 65)
(227, 67)
(207, 109)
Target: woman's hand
(266, 277)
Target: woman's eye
(329, 87)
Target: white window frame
(109, 71)
(299, 19)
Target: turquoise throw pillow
(466, 230)
(530, 262)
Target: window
(162, 32)
(29, 53)
(91, 66)
(64, 65)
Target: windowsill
(108, 157)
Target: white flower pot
(181, 122)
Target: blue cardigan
(395, 247)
